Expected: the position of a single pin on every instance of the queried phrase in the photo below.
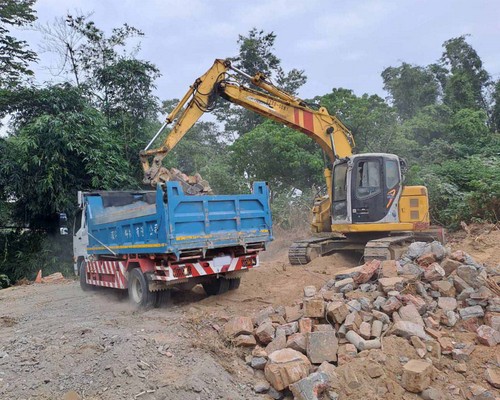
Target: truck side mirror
(63, 224)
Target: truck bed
(169, 221)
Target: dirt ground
(55, 339)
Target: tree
(14, 53)
(55, 153)
(256, 54)
(467, 79)
(410, 88)
(496, 107)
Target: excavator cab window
(367, 179)
(340, 192)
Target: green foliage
(53, 156)
(15, 55)
(372, 121)
(24, 252)
(467, 78)
(462, 190)
(411, 88)
(279, 155)
(256, 54)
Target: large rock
(410, 313)
(285, 367)
(417, 375)
(237, 326)
(322, 346)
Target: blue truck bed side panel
(176, 222)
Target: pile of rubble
(343, 339)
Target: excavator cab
(365, 188)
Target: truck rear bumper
(114, 274)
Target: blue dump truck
(147, 242)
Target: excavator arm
(224, 80)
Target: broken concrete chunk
(305, 325)
(433, 272)
(277, 344)
(410, 313)
(488, 336)
(417, 375)
(391, 305)
(446, 288)
(265, 333)
(285, 367)
(492, 375)
(407, 329)
(367, 271)
(293, 313)
(244, 341)
(309, 291)
(469, 274)
(447, 303)
(298, 342)
(388, 284)
(308, 388)
(314, 307)
(471, 312)
(322, 346)
(337, 311)
(237, 326)
(449, 265)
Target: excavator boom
(267, 100)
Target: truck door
(368, 190)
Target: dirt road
(55, 339)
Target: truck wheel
(216, 286)
(234, 283)
(138, 289)
(83, 277)
(163, 298)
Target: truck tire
(216, 286)
(163, 298)
(138, 290)
(234, 283)
(83, 275)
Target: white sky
(338, 43)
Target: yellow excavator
(366, 208)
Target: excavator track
(390, 247)
(303, 251)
